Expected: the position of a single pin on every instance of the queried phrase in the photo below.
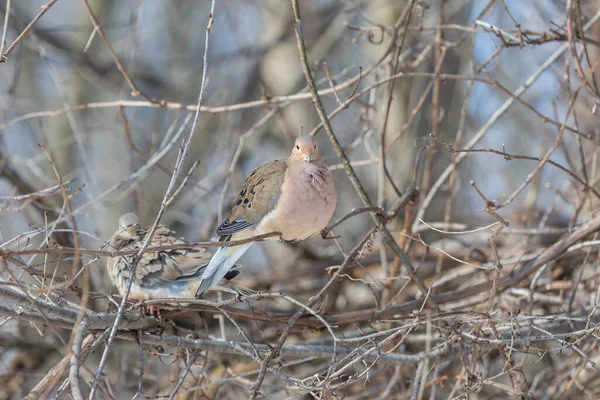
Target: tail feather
(219, 266)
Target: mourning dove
(163, 274)
(295, 197)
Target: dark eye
(297, 147)
(315, 146)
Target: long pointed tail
(219, 265)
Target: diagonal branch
(183, 152)
(135, 92)
(44, 10)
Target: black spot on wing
(232, 274)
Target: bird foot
(154, 310)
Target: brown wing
(258, 197)
(164, 267)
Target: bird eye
(297, 147)
(315, 146)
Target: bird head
(305, 149)
(129, 224)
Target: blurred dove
(163, 274)
(295, 197)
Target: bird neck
(316, 165)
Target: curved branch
(74, 370)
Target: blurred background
(509, 82)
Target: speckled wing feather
(258, 197)
(159, 268)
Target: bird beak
(308, 158)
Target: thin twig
(135, 92)
(184, 373)
(153, 249)
(5, 27)
(44, 9)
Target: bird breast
(307, 202)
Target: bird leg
(154, 309)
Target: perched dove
(296, 197)
(163, 274)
